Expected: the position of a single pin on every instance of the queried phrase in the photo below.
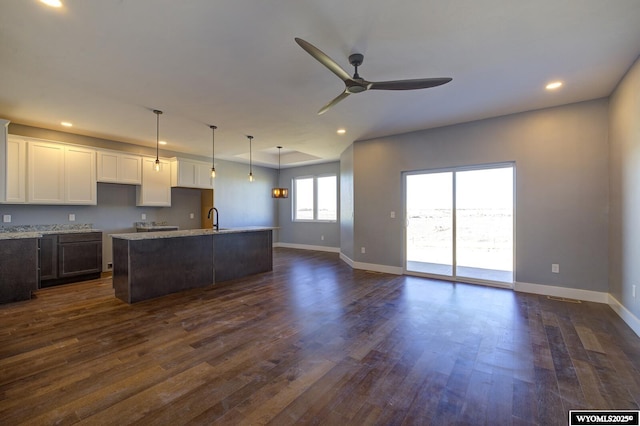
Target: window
(315, 198)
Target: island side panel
(241, 254)
(158, 267)
(120, 256)
(18, 269)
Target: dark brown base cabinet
(48, 257)
(66, 258)
(18, 269)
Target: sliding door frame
(454, 276)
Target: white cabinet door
(108, 167)
(130, 169)
(80, 176)
(45, 171)
(116, 167)
(186, 173)
(15, 162)
(203, 176)
(190, 174)
(155, 189)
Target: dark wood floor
(312, 342)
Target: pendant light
(156, 166)
(279, 192)
(250, 161)
(213, 150)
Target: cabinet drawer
(79, 237)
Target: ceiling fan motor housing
(356, 59)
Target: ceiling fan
(357, 84)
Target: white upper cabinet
(191, 174)
(13, 176)
(118, 167)
(45, 173)
(60, 174)
(155, 189)
(80, 176)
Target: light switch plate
(6, 218)
(72, 217)
(555, 268)
(143, 216)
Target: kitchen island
(149, 265)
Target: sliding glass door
(460, 223)
(429, 210)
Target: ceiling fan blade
(323, 59)
(419, 83)
(335, 100)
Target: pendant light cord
(157, 113)
(250, 156)
(213, 147)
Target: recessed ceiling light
(341, 131)
(52, 3)
(162, 142)
(66, 124)
(554, 85)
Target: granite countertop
(37, 231)
(155, 226)
(19, 235)
(188, 233)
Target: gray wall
(307, 233)
(624, 229)
(239, 202)
(244, 203)
(346, 202)
(561, 179)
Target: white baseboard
(308, 247)
(346, 259)
(395, 270)
(569, 293)
(590, 296)
(626, 315)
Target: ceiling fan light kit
(357, 84)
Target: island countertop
(188, 233)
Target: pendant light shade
(250, 160)
(156, 166)
(279, 192)
(213, 150)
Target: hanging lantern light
(279, 192)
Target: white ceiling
(106, 64)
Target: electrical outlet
(322, 237)
(555, 268)
(109, 266)
(362, 250)
(6, 218)
(143, 216)
(72, 217)
(191, 216)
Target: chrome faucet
(216, 222)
